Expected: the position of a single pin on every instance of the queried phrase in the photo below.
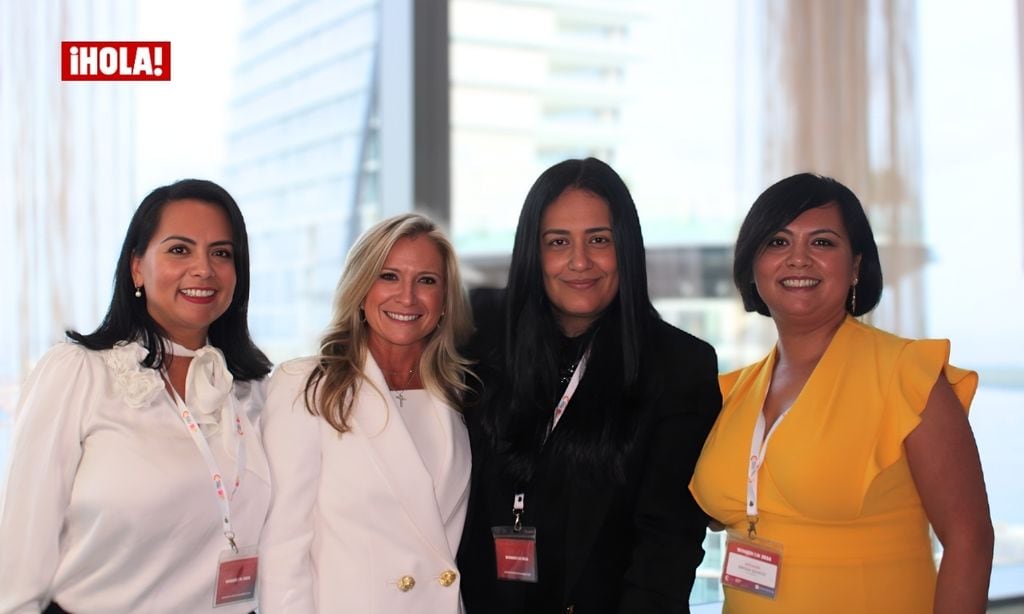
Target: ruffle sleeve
(916, 369)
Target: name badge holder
(236, 567)
(752, 563)
(515, 547)
(237, 571)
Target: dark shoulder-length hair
(128, 319)
(782, 203)
(532, 336)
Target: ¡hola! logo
(115, 61)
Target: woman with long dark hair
(588, 420)
(137, 481)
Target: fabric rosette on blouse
(137, 385)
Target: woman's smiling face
(187, 271)
(406, 300)
(805, 270)
(577, 254)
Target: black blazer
(630, 546)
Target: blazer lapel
(378, 423)
(453, 482)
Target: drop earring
(853, 297)
(138, 291)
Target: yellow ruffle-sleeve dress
(835, 489)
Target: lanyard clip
(231, 540)
(518, 505)
(752, 527)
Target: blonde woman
(368, 452)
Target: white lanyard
(570, 390)
(519, 500)
(223, 498)
(758, 449)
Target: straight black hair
(531, 322)
(532, 336)
(127, 318)
(782, 203)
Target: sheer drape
(1020, 71)
(837, 96)
(66, 166)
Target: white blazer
(356, 522)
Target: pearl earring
(138, 291)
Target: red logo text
(115, 61)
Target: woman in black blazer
(583, 506)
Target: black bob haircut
(127, 317)
(782, 203)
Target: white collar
(181, 351)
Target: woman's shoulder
(674, 342)
(910, 364)
(488, 306)
(743, 378)
(487, 299)
(123, 356)
(866, 333)
(286, 386)
(294, 370)
(117, 369)
(888, 347)
(66, 351)
(68, 359)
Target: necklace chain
(399, 396)
(408, 380)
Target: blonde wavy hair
(331, 387)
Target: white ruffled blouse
(109, 505)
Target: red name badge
(752, 566)
(236, 577)
(515, 553)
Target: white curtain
(66, 175)
(1020, 70)
(835, 93)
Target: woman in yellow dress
(834, 453)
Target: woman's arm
(44, 459)
(944, 462)
(669, 525)
(291, 439)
